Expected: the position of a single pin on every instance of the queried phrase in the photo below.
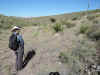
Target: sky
(36, 8)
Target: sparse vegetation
(58, 27)
(7, 22)
(91, 29)
(68, 24)
(75, 17)
(84, 28)
(79, 57)
(94, 32)
(91, 17)
(95, 22)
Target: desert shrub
(91, 17)
(0, 31)
(35, 24)
(84, 28)
(76, 17)
(64, 57)
(2, 21)
(67, 24)
(1, 25)
(58, 27)
(52, 20)
(95, 22)
(70, 25)
(94, 32)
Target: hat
(15, 28)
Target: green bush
(84, 28)
(57, 27)
(94, 32)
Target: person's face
(18, 31)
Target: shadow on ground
(29, 56)
(54, 73)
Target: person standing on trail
(16, 43)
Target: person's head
(16, 29)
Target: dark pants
(19, 58)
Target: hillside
(66, 43)
(9, 21)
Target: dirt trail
(47, 47)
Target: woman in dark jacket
(20, 50)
